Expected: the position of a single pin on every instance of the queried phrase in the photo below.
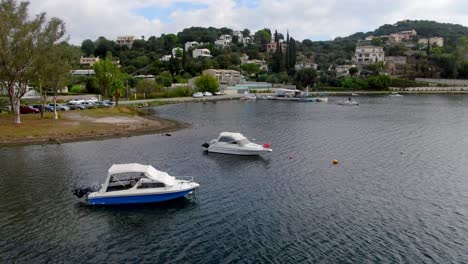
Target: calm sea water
(398, 195)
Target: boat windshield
(243, 142)
(123, 181)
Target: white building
(365, 55)
(223, 41)
(435, 41)
(166, 58)
(192, 45)
(88, 60)
(229, 77)
(125, 41)
(305, 65)
(237, 33)
(177, 50)
(197, 53)
(247, 40)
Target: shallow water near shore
(398, 194)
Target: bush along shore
(84, 125)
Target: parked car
(91, 100)
(27, 109)
(218, 93)
(100, 104)
(207, 94)
(75, 101)
(88, 105)
(73, 106)
(108, 102)
(197, 95)
(59, 107)
(47, 108)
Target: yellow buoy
(335, 162)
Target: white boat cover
(148, 170)
(235, 136)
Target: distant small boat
(348, 102)
(235, 144)
(136, 183)
(395, 94)
(355, 94)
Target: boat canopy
(148, 170)
(235, 136)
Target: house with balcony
(341, 70)
(366, 55)
(125, 41)
(201, 53)
(408, 34)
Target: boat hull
(239, 152)
(136, 199)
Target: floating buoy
(335, 162)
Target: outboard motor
(205, 145)
(80, 192)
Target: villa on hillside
(435, 41)
(229, 77)
(223, 41)
(193, 45)
(341, 70)
(262, 63)
(125, 41)
(197, 53)
(89, 60)
(166, 58)
(365, 55)
(271, 47)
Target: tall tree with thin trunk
(57, 70)
(23, 40)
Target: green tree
(207, 83)
(353, 71)
(106, 73)
(262, 37)
(24, 39)
(250, 68)
(377, 42)
(164, 78)
(87, 47)
(56, 70)
(305, 77)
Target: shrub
(403, 83)
(182, 91)
(77, 89)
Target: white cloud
(304, 19)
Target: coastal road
(184, 99)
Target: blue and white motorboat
(136, 183)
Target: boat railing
(186, 178)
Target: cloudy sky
(313, 19)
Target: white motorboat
(355, 94)
(348, 102)
(136, 183)
(395, 94)
(249, 96)
(235, 144)
(322, 98)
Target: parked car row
(37, 108)
(200, 94)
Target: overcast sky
(312, 19)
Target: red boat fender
(266, 145)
